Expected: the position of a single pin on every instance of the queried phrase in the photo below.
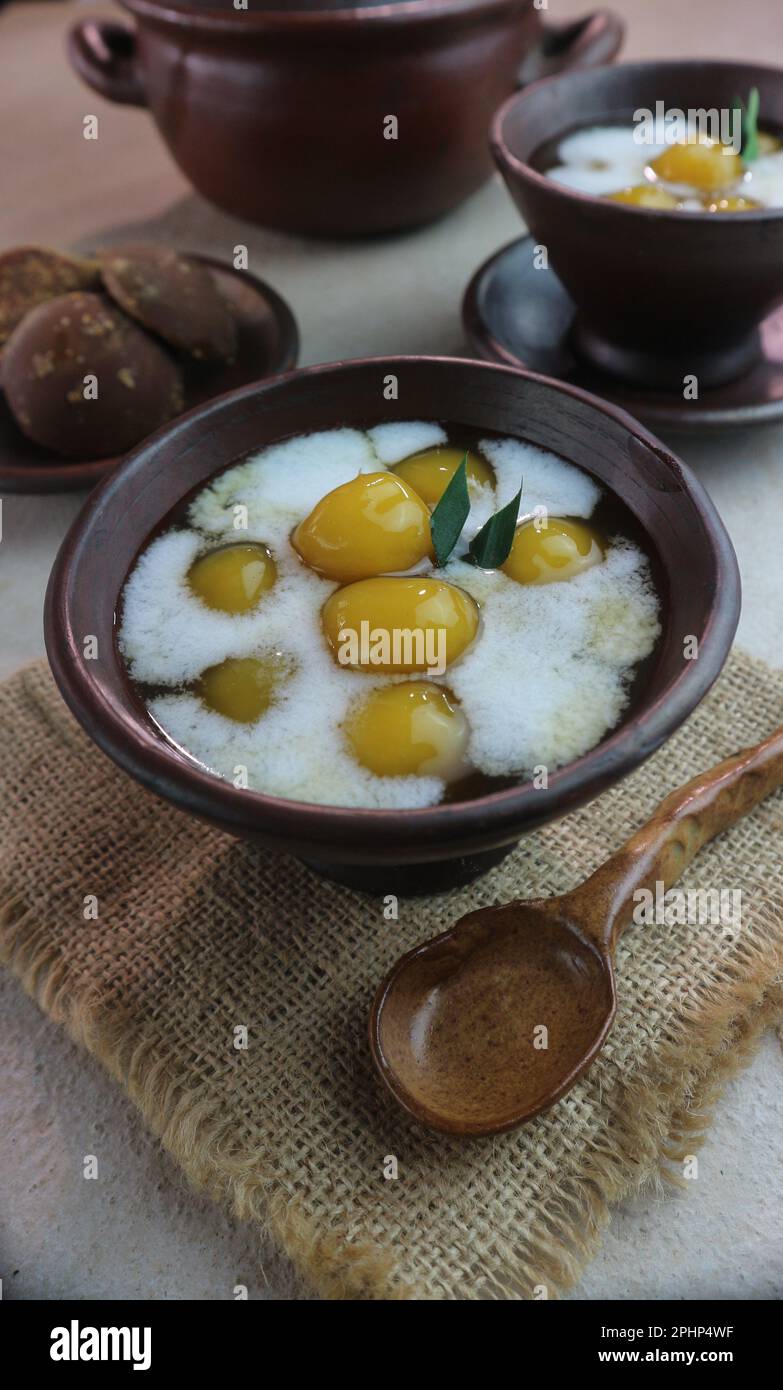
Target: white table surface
(138, 1231)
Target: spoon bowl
(456, 1018)
(483, 1027)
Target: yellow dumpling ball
(551, 552)
(374, 524)
(699, 163)
(431, 471)
(645, 195)
(243, 688)
(768, 144)
(399, 625)
(732, 203)
(234, 577)
(411, 729)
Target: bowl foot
(522, 317)
(411, 880)
(665, 369)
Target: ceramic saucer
(268, 344)
(521, 316)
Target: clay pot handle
(104, 56)
(662, 850)
(580, 43)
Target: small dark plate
(268, 344)
(522, 317)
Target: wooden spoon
(455, 1028)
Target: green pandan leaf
(750, 127)
(749, 118)
(450, 514)
(492, 545)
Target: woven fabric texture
(198, 935)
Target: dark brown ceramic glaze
(659, 295)
(455, 1029)
(276, 113)
(522, 316)
(268, 342)
(699, 580)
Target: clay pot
(281, 115)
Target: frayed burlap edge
(655, 1122)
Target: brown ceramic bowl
(660, 295)
(392, 851)
(277, 112)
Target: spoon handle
(661, 851)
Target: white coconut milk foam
(605, 160)
(545, 679)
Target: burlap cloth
(198, 935)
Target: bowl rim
(517, 168)
(145, 754)
(405, 14)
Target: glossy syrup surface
(483, 1027)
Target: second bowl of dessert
(668, 238)
(388, 615)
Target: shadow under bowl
(660, 295)
(392, 851)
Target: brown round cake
(85, 381)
